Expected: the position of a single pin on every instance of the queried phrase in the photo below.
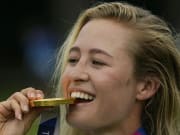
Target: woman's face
(100, 73)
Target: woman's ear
(147, 88)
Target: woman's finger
(16, 108)
(32, 93)
(39, 94)
(4, 111)
(22, 100)
(27, 91)
(9, 108)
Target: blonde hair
(155, 54)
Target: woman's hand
(16, 116)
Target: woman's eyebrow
(92, 51)
(96, 51)
(76, 49)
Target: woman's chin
(79, 122)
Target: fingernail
(26, 108)
(39, 95)
(19, 116)
(32, 95)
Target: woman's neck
(129, 130)
(127, 126)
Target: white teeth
(81, 95)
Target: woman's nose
(79, 73)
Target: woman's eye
(99, 63)
(72, 60)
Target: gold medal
(51, 102)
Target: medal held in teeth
(51, 102)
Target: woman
(122, 65)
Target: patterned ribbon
(140, 131)
(49, 124)
(48, 127)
